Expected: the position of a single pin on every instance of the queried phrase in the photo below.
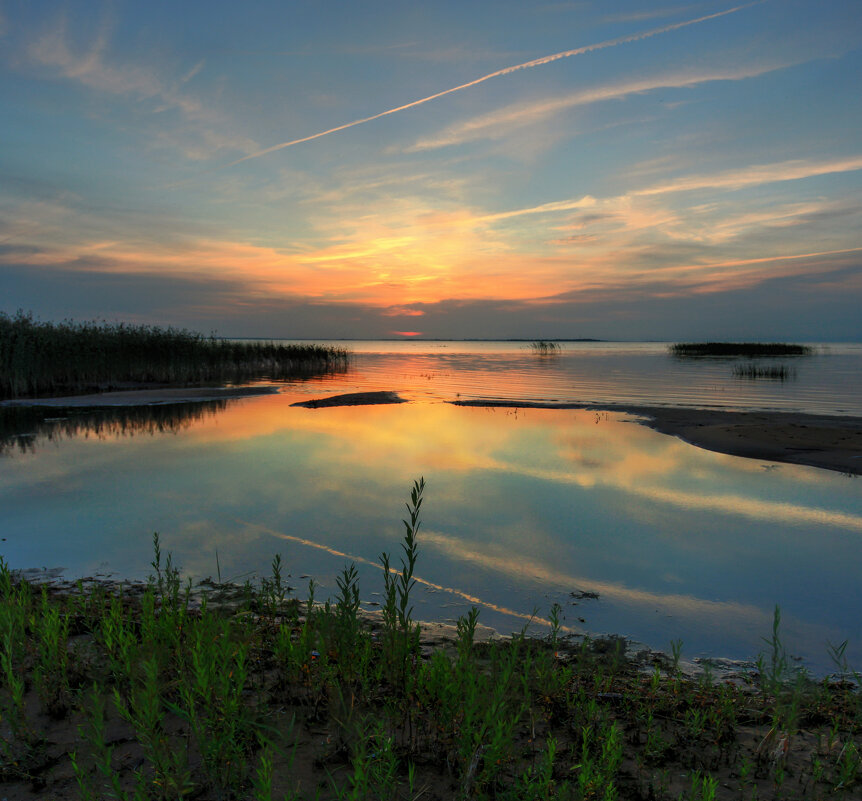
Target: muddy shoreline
(825, 441)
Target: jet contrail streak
(578, 51)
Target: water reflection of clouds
(615, 453)
(519, 509)
(464, 596)
(520, 567)
(686, 609)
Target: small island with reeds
(40, 359)
(738, 349)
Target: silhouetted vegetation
(155, 691)
(545, 347)
(748, 349)
(39, 358)
(752, 372)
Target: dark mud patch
(353, 399)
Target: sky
(615, 170)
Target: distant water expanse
(829, 381)
(523, 507)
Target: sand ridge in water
(353, 399)
(828, 442)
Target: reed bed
(545, 347)
(159, 692)
(38, 358)
(747, 349)
(753, 372)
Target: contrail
(578, 51)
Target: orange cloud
(401, 311)
(404, 251)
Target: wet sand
(833, 443)
(829, 442)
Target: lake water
(522, 507)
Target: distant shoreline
(424, 339)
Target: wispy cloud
(619, 206)
(91, 66)
(500, 122)
(556, 206)
(756, 175)
(642, 16)
(538, 62)
(710, 227)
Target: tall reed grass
(753, 372)
(545, 347)
(39, 358)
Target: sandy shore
(829, 442)
(144, 397)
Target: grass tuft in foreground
(749, 349)
(157, 692)
(39, 358)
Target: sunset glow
(584, 170)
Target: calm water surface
(827, 382)
(522, 507)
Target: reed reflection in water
(23, 429)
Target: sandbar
(830, 442)
(352, 399)
(144, 397)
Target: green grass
(750, 349)
(158, 691)
(38, 358)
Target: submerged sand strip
(145, 397)
(829, 442)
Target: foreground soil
(252, 695)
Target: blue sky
(596, 169)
